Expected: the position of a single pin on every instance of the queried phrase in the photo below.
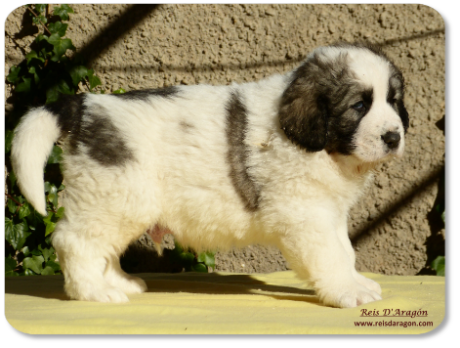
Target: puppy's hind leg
(84, 254)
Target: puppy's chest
(306, 177)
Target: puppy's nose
(391, 139)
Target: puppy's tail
(32, 144)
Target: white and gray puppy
(276, 162)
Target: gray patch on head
(395, 96)
(238, 152)
(315, 111)
(104, 142)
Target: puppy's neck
(352, 167)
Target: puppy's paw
(96, 293)
(126, 283)
(368, 283)
(112, 295)
(132, 285)
(348, 296)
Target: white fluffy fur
(180, 180)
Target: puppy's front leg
(342, 234)
(315, 252)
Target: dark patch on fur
(104, 141)
(344, 120)
(69, 110)
(91, 128)
(396, 88)
(146, 94)
(186, 127)
(238, 152)
(315, 109)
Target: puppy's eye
(359, 106)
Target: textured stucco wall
(392, 228)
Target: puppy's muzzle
(391, 139)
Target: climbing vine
(46, 72)
(51, 68)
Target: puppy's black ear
(303, 113)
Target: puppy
(276, 162)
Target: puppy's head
(346, 99)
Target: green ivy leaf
(45, 53)
(36, 252)
(13, 76)
(52, 197)
(10, 264)
(119, 91)
(25, 250)
(47, 271)
(52, 94)
(24, 86)
(55, 156)
(199, 267)
(16, 234)
(34, 219)
(46, 252)
(12, 207)
(58, 28)
(40, 8)
(207, 258)
(48, 218)
(40, 38)
(24, 210)
(54, 265)
(187, 257)
(40, 20)
(60, 213)
(438, 265)
(11, 274)
(34, 263)
(93, 80)
(12, 178)
(9, 135)
(33, 55)
(50, 226)
(78, 73)
(65, 88)
(33, 71)
(60, 46)
(28, 272)
(63, 12)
